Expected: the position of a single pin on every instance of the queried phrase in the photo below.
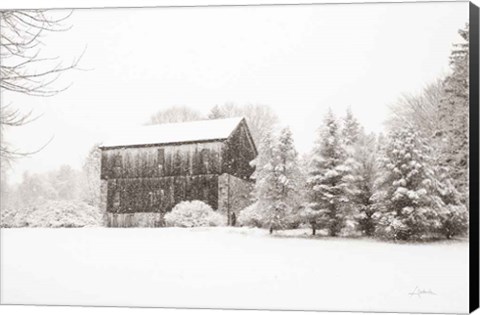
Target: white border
(59, 4)
(32, 4)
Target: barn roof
(193, 131)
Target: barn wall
(140, 184)
(159, 161)
(160, 195)
(103, 198)
(234, 194)
(139, 219)
(237, 154)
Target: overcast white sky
(298, 59)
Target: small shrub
(250, 216)
(192, 214)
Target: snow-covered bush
(9, 218)
(453, 221)
(250, 216)
(53, 214)
(194, 213)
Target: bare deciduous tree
(174, 114)
(421, 111)
(22, 69)
(260, 118)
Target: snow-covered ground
(229, 268)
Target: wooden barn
(147, 171)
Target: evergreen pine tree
(454, 114)
(366, 174)
(351, 129)
(326, 180)
(277, 176)
(407, 207)
(452, 212)
(350, 136)
(264, 174)
(289, 175)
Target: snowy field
(230, 268)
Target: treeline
(64, 184)
(409, 185)
(64, 197)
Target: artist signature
(419, 292)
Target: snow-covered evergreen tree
(289, 174)
(351, 129)
(452, 212)
(326, 180)
(263, 174)
(440, 113)
(266, 184)
(454, 112)
(366, 174)
(350, 135)
(277, 176)
(407, 210)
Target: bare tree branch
(23, 71)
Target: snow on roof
(202, 130)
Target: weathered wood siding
(160, 195)
(161, 161)
(137, 219)
(153, 179)
(238, 152)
